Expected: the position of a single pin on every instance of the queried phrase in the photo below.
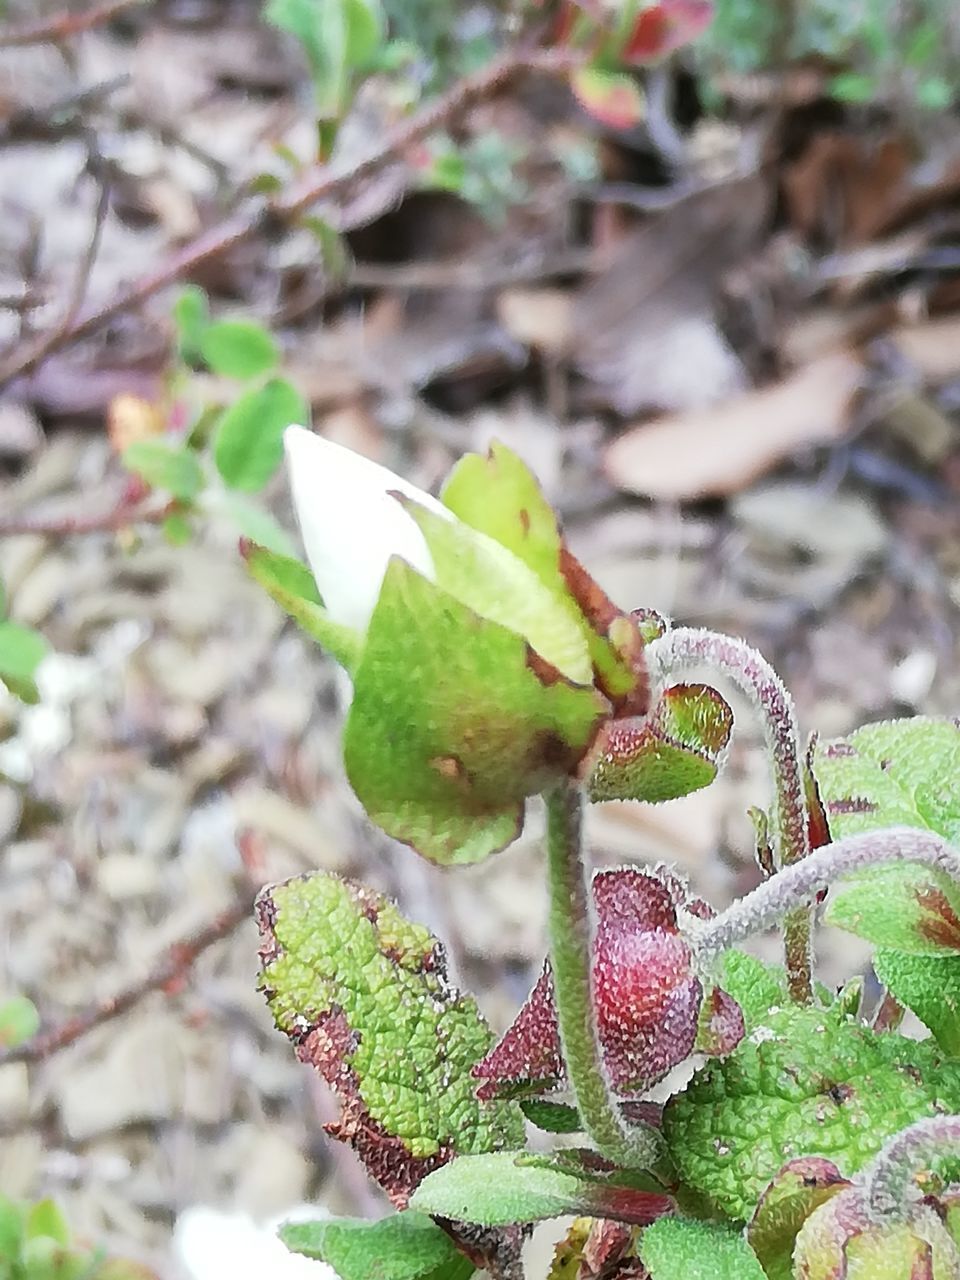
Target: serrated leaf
(503, 1188)
(799, 1188)
(164, 466)
(451, 727)
(612, 97)
(895, 773)
(19, 1021)
(807, 1082)
(930, 986)
(685, 1249)
(551, 1117)
(404, 1246)
(21, 651)
(671, 753)
(248, 442)
(291, 584)
(363, 995)
(238, 349)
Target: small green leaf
(248, 445)
(165, 466)
(612, 97)
(684, 1249)
(451, 728)
(19, 1021)
(552, 1117)
(930, 986)
(21, 651)
(191, 315)
(853, 86)
(291, 584)
(759, 988)
(364, 996)
(177, 530)
(11, 1234)
(238, 349)
(508, 1187)
(404, 1246)
(45, 1220)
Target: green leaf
(930, 986)
(807, 1082)
(759, 988)
(552, 1117)
(364, 996)
(669, 754)
(684, 1249)
(404, 1246)
(19, 1021)
(853, 86)
(799, 1188)
(238, 349)
(450, 726)
(291, 584)
(191, 315)
(508, 1187)
(895, 773)
(21, 651)
(177, 530)
(165, 466)
(45, 1220)
(11, 1231)
(248, 445)
(253, 522)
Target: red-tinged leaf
(818, 827)
(799, 1188)
(663, 28)
(611, 97)
(721, 1026)
(647, 995)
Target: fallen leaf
(722, 449)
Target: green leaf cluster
(35, 1244)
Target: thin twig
(173, 966)
(121, 517)
(63, 26)
(321, 183)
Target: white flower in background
(350, 523)
(211, 1244)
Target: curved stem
(689, 647)
(571, 931)
(790, 888)
(890, 1183)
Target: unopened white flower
(212, 1245)
(350, 523)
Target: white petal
(350, 524)
(212, 1245)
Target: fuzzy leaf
(21, 651)
(551, 1117)
(684, 1249)
(404, 1246)
(238, 349)
(164, 466)
(807, 1082)
(612, 97)
(759, 988)
(800, 1187)
(648, 997)
(895, 773)
(930, 986)
(248, 443)
(908, 907)
(364, 996)
(291, 584)
(675, 751)
(451, 727)
(509, 1187)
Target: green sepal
(799, 1188)
(512, 1187)
(684, 1249)
(451, 726)
(403, 1246)
(676, 750)
(930, 986)
(364, 996)
(291, 584)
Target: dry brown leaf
(843, 189)
(722, 449)
(933, 346)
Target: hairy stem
(688, 647)
(795, 885)
(570, 927)
(891, 1181)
